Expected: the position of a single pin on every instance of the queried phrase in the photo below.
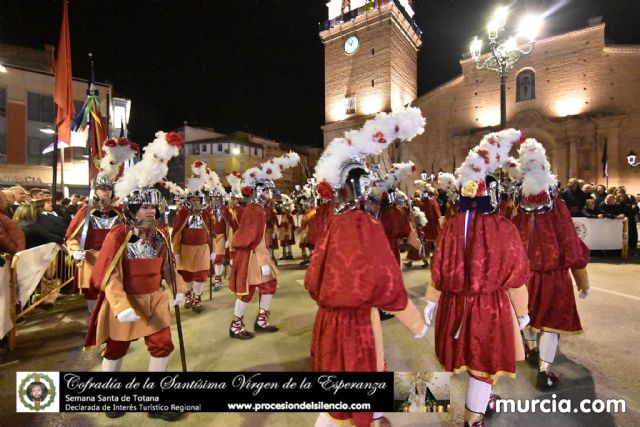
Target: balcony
(367, 8)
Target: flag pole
(90, 120)
(54, 183)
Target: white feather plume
(513, 169)
(490, 154)
(535, 168)
(114, 157)
(395, 176)
(235, 181)
(419, 216)
(447, 182)
(372, 138)
(151, 169)
(273, 168)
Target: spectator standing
(610, 208)
(629, 207)
(573, 197)
(599, 194)
(11, 236)
(591, 210)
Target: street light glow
(475, 48)
(510, 45)
(3, 69)
(500, 16)
(530, 27)
(235, 151)
(48, 131)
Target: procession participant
(190, 237)
(554, 249)
(396, 224)
(418, 222)
(479, 266)
(353, 271)
(286, 228)
(91, 224)
(253, 267)
(431, 209)
(219, 227)
(233, 212)
(307, 214)
(272, 225)
(131, 265)
(447, 184)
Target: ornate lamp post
(504, 53)
(631, 159)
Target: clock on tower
(370, 57)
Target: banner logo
(37, 392)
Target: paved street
(602, 363)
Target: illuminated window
(350, 104)
(40, 108)
(525, 86)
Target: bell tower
(370, 61)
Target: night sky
(254, 65)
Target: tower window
(350, 104)
(373, 51)
(373, 83)
(525, 86)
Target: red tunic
(554, 247)
(246, 240)
(474, 297)
(319, 223)
(431, 210)
(352, 269)
(396, 226)
(271, 224)
(287, 228)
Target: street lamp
(3, 69)
(631, 159)
(505, 53)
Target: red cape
(249, 234)
(319, 223)
(78, 221)
(352, 269)
(551, 239)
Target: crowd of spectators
(597, 201)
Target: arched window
(525, 86)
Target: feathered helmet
(263, 176)
(478, 188)
(213, 184)
(287, 202)
(425, 188)
(538, 183)
(389, 183)
(116, 152)
(135, 186)
(196, 184)
(346, 154)
(235, 182)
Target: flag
(605, 160)
(63, 89)
(89, 130)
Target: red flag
(63, 91)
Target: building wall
(18, 83)
(586, 93)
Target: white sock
(190, 286)
(548, 346)
(111, 365)
(198, 287)
(90, 304)
(158, 364)
(265, 301)
(241, 306)
(478, 395)
(377, 415)
(217, 268)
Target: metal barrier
(60, 273)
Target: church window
(525, 86)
